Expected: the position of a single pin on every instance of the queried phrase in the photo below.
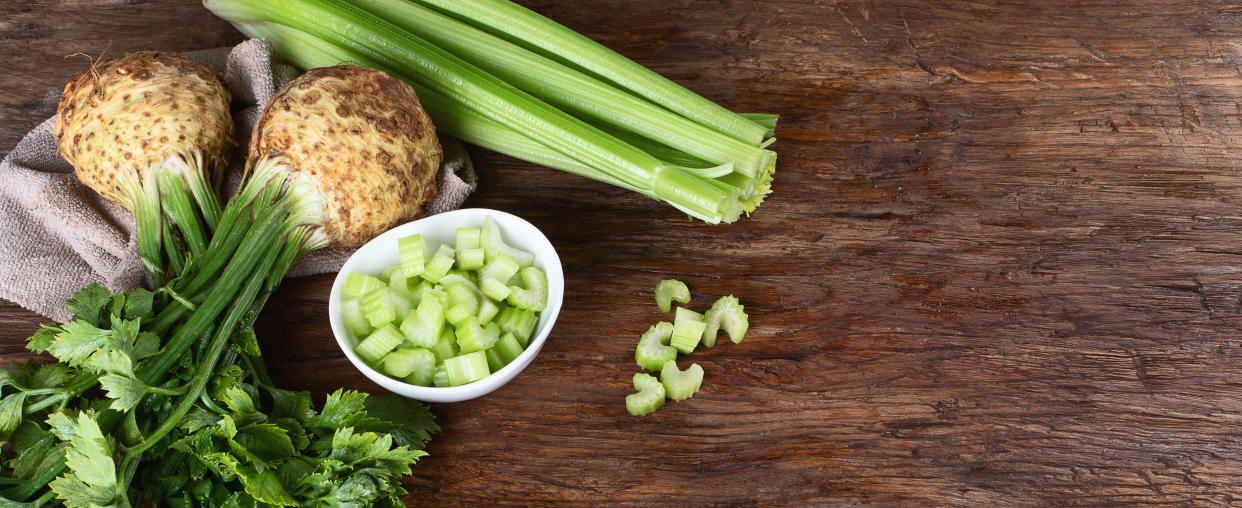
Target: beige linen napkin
(58, 236)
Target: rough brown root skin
(361, 139)
(124, 117)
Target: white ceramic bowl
(381, 252)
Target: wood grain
(1001, 263)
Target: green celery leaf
(238, 400)
(412, 423)
(338, 407)
(145, 345)
(199, 418)
(112, 362)
(372, 450)
(267, 441)
(61, 423)
(42, 338)
(266, 488)
(138, 303)
(296, 432)
(125, 392)
(124, 332)
(92, 477)
(77, 342)
(51, 375)
(77, 494)
(224, 379)
(31, 445)
(11, 413)
(88, 303)
(248, 341)
(290, 404)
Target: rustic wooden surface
(1002, 263)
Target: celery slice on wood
(378, 308)
(533, 293)
(358, 284)
(653, 350)
(681, 384)
(531, 29)
(423, 325)
(730, 314)
(440, 378)
(439, 265)
(355, 321)
(467, 368)
(493, 243)
(413, 255)
(668, 290)
(687, 314)
(686, 334)
(378, 344)
(508, 347)
(446, 346)
(650, 396)
(472, 336)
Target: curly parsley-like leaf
(266, 488)
(338, 407)
(412, 423)
(42, 338)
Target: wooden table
(1002, 262)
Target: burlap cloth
(58, 236)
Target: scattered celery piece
(446, 345)
(727, 312)
(377, 308)
(687, 330)
(378, 344)
(494, 245)
(668, 290)
(650, 396)
(687, 314)
(533, 293)
(413, 255)
(681, 384)
(508, 347)
(471, 336)
(355, 321)
(358, 284)
(653, 350)
(439, 265)
(467, 368)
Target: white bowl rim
(548, 316)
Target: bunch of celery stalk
(498, 75)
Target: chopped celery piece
(487, 310)
(462, 304)
(378, 344)
(358, 284)
(668, 290)
(729, 313)
(467, 238)
(470, 259)
(439, 265)
(402, 362)
(413, 255)
(471, 336)
(681, 384)
(495, 289)
(687, 314)
(423, 325)
(499, 267)
(387, 272)
(533, 293)
(399, 284)
(467, 368)
(653, 350)
(400, 304)
(351, 313)
(416, 294)
(494, 245)
(446, 346)
(687, 332)
(440, 378)
(377, 307)
(650, 396)
(461, 278)
(508, 347)
(520, 322)
(494, 361)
